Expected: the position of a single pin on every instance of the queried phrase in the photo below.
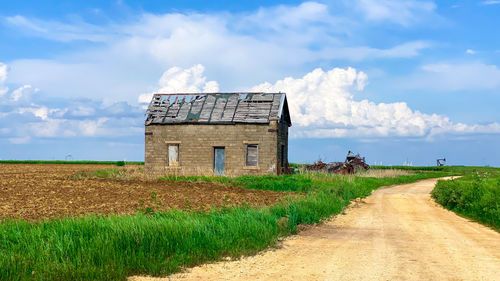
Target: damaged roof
(217, 108)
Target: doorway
(219, 159)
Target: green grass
(475, 195)
(411, 168)
(450, 169)
(298, 183)
(71, 162)
(113, 173)
(114, 247)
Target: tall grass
(476, 195)
(382, 173)
(114, 247)
(298, 183)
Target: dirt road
(397, 233)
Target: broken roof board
(216, 108)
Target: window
(252, 155)
(173, 155)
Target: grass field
(475, 195)
(158, 243)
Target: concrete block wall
(196, 148)
(283, 142)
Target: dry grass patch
(385, 173)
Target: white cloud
(238, 50)
(65, 32)
(447, 76)
(20, 140)
(3, 77)
(83, 111)
(3, 73)
(490, 2)
(405, 50)
(23, 118)
(178, 80)
(470, 52)
(190, 80)
(322, 104)
(47, 129)
(92, 127)
(22, 92)
(403, 12)
(40, 112)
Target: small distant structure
(440, 162)
(407, 163)
(229, 134)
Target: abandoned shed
(228, 134)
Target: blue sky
(397, 81)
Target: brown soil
(397, 233)
(37, 192)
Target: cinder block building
(229, 134)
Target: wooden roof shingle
(216, 108)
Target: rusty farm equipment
(351, 164)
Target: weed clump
(152, 207)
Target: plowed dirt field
(36, 192)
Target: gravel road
(397, 233)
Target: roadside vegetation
(159, 243)
(475, 195)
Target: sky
(400, 82)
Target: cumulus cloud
(322, 104)
(25, 116)
(178, 80)
(470, 52)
